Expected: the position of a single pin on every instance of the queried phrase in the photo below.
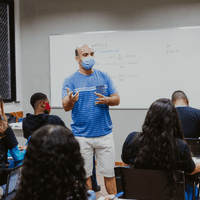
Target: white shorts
(104, 150)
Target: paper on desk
(106, 197)
(196, 159)
(17, 125)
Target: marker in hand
(28, 140)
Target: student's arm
(17, 154)
(197, 168)
(12, 145)
(189, 164)
(112, 100)
(69, 100)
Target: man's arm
(112, 100)
(69, 100)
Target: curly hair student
(160, 145)
(53, 167)
(8, 143)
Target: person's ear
(43, 105)
(187, 102)
(77, 59)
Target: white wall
(40, 18)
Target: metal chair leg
(7, 185)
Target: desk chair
(5, 173)
(142, 184)
(11, 118)
(194, 145)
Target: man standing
(189, 117)
(41, 117)
(89, 93)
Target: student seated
(160, 145)
(53, 167)
(189, 117)
(8, 141)
(41, 116)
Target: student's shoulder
(9, 133)
(188, 108)
(181, 142)
(55, 118)
(192, 111)
(28, 116)
(182, 145)
(195, 110)
(131, 136)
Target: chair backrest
(142, 184)
(194, 145)
(11, 118)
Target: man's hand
(72, 98)
(112, 100)
(21, 147)
(101, 100)
(69, 100)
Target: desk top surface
(17, 125)
(196, 159)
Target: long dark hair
(1, 106)
(158, 140)
(53, 167)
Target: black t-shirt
(185, 161)
(7, 142)
(190, 121)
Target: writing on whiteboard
(99, 45)
(109, 51)
(172, 50)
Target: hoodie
(33, 122)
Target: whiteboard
(144, 65)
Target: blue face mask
(88, 62)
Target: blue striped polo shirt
(88, 119)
